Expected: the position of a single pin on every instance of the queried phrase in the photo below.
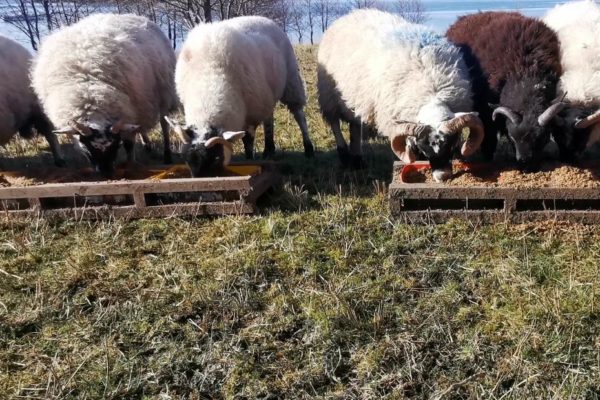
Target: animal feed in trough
(483, 193)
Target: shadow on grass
(305, 180)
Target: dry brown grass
(322, 295)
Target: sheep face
(439, 148)
(101, 148)
(527, 121)
(202, 160)
(101, 144)
(206, 152)
(438, 145)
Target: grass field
(321, 295)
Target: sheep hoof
(309, 150)
(268, 154)
(167, 158)
(60, 163)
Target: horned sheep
(20, 110)
(229, 77)
(105, 79)
(577, 25)
(377, 69)
(515, 67)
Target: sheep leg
(166, 130)
(129, 146)
(248, 140)
(356, 144)
(59, 160)
(342, 146)
(44, 127)
(269, 126)
(309, 150)
(146, 140)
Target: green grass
(321, 295)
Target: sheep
(229, 77)
(515, 67)
(377, 69)
(20, 110)
(105, 79)
(577, 25)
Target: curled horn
(227, 148)
(399, 142)
(552, 112)
(588, 121)
(476, 131)
(81, 128)
(508, 113)
(215, 141)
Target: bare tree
(309, 15)
(296, 19)
(24, 16)
(365, 4)
(411, 10)
(325, 11)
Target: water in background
(441, 13)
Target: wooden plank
(433, 191)
(133, 212)
(139, 199)
(127, 187)
(489, 216)
(259, 185)
(35, 198)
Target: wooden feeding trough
(423, 202)
(155, 192)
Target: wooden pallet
(437, 203)
(139, 199)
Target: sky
(441, 13)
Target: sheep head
(205, 153)
(438, 145)
(526, 117)
(578, 128)
(100, 142)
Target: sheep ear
(186, 135)
(233, 136)
(66, 131)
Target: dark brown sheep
(514, 63)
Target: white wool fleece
(577, 25)
(231, 74)
(17, 99)
(388, 70)
(106, 68)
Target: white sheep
(410, 83)
(19, 107)
(229, 77)
(105, 79)
(577, 25)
